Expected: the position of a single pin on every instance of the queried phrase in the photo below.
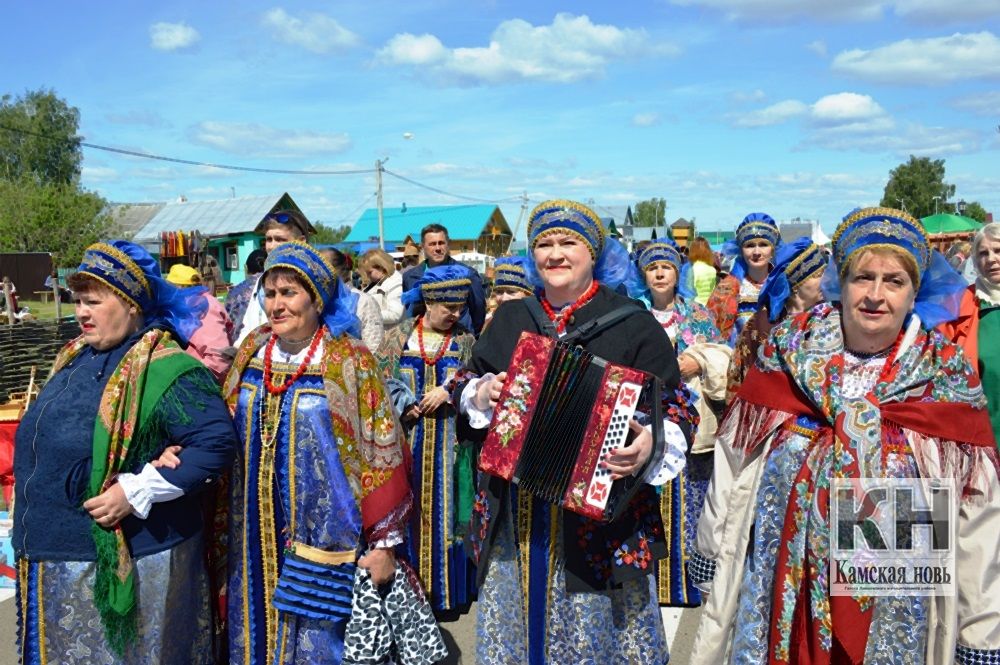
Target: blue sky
(793, 107)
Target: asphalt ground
(459, 632)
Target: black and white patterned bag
(397, 629)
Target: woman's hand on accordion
(629, 460)
(488, 392)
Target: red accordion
(561, 410)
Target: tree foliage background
(327, 235)
(652, 212)
(913, 185)
(42, 206)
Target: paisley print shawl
(926, 395)
(371, 440)
(123, 435)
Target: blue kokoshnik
(448, 284)
(132, 273)
(794, 263)
(881, 227)
(510, 273)
(755, 226)
(939, 288)
(661, 251)
(568, 217)
(758, 225)
(336, 303)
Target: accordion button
(572, 320)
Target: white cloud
(947, 10)
(848, 109)
(983, 103)
(818, 47)
(854, 122)
(775, 114)
(933, 60)
(646, 119)
(407, 49)
(99, 174)
(255, 139)
(142, 118)
(315, 32)
(926, 11)
(172, 36)
(783, 10)
(572, 48)
(913, 139)
(756, 96)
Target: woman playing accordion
(557, 587)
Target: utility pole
(378, 203)
(517, 227)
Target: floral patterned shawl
(926, 394)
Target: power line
(177, 160)
(441, 191)
(351, 214)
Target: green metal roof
(717, 237)
(462, 221)
(948, 223)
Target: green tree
(912, 186)
(652, 212)
(976, 211)
(59, 218)
(38, 137)
(327, 235)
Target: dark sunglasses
(281, 217)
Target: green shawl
(126, 431)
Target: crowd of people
(294, 476)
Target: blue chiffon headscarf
(611, 260)
(756, 225)
(131, 272)
(338, 303)
(940, 290)
(794, 263)
(660, 251)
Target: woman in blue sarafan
(557, 587)
(109, 540)
(320, 484)
(420, 359)
(665, 284)
(734, 300)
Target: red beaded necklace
(563, 317)
(268, 377)
(440, 352)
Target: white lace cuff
(673, 459)
(145, 488)
(478, 418)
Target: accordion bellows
(561, 409)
